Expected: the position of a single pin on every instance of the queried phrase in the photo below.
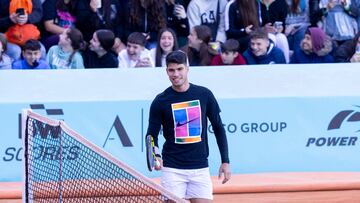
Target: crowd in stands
(77, 34)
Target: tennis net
(62, 166)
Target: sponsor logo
(336, 125)
(253, 127)
(51, 152)
(344, 116)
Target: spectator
(297, 21)
(147, 17)
(7, 20)
(242, 17)
(273, 15)
(66, 54)
(198, 48)
(100, 54)
(109, 14)
(167, 42)
(31, 57)
(357, 3)
(209, 13)
(337, 18)
(5, 60)
(58, 15)
(349, 51)
(229, 54)
(315, 48)
(262, 50)
(135, 54)
(177, 19)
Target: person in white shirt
(210, 13)
(135, 55)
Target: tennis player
(182, 110)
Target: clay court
(301, 187)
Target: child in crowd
(262, 50)
(135, 54)
(100, 54)
(229, 54)
(198, 48)
(31, 54)
(167, 42)
(5, 61)
(66, 54)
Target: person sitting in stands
(32, 57)
(197, 49)
(314, 48)
(229, 54)
(5, 60)
(66, 55)
(135, 54)
(262, 50)
(100, 54)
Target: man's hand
(225, 169)
(159, 166)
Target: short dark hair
(137, 38)
(178, 57)
(32, 45)
(259, 33)
(230, 45)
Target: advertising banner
(266, 133)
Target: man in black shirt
(182, 110)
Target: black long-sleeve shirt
(276, 11)
(91, 60)
(183, 116)
(180, 26)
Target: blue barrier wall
(278, 118)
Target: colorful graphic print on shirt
(187, 122)
(65, 19)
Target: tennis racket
(150, 153)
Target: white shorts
(188, 183)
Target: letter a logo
(121, 132)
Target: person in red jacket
(229, 54)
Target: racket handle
(157, 163)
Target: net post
(24, 117)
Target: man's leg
(199, 200)
(174, 181)
(199, 188)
